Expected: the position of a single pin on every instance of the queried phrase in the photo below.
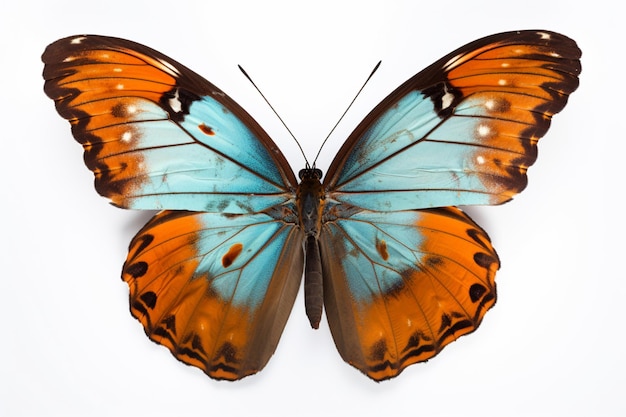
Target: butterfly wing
(399, 286)
(216, 284)
(401, 283)
(157, 135)
(215, 289)
(463, 131)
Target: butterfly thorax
(310, 201)
(310, 204)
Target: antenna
(331, 130)
(276, 113)
(346, 111)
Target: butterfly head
(309, 173)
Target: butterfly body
(398, 269)
(310, 198)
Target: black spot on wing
(137, 270)
(476, 291)
(177, 102)
(445, 98)
(149, 299)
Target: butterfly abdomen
(313, 282)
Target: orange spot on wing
(381, 247)
(207, 130)
(231, 255)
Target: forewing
(157, 135)
(400, 286)
(215, 289)
(463, 131)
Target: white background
(552, 346)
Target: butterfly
(398, 268)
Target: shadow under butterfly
(400, 271)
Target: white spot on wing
(78, 40)
(480, 160)
(544, 35)
(175, 103)
(447, 98)
(169, 68)
(127, 136)
(484, 130)
(450, 64)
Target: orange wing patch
(106, 94)
(514, 89)
(178, 309)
